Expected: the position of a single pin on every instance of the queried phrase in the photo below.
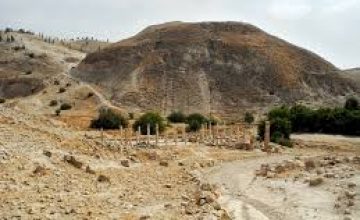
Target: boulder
(89, 170)
(40, 171)
(125, 163)
(71, 160)
(47, 153)
(164, 163)
(310, 164)
(315, 181)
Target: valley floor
(51, 171)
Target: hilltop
(220, 67)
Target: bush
(62, 90)
(53, 103)
(177, 117)
(108, 119)
(90, 94)
(29, 72)
(195, 121)
(249, 118)
(280, 130)
(131, 115)
(57, 112)
(31, 55)
(65, 106)
(152, 119)
(2, 100)
(352, 104)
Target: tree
(108, 119)
(352, 104)
(12, 38)
(195, 121)
(249, 118)
(152, 119)
(177, 117)
(1, 38)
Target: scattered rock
(153, 156)
(89, 170)
(310, 164)
(168, 186)
(216, 205)
(315, 181)
(144, 217)
(206, 187)
(351, 185)
(125, 163)
(40, 171)
(71, 160)
(102, 178)
(190, 209)
(164, 163)
(350, 194)
(47, 153)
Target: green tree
(108, 119)
(152, 119)
(195, 121)
(177, 117)
(352, 104)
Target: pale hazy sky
(330, 28)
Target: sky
(330, 28)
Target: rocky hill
(223, 68)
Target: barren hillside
(224, 68)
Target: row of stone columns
(207, 133)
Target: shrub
(152, 119)
(177, 117)
(108, 119)
(131, 115)
(90, 94)
(2, 100)
(65, 106)
(352, 104)
(280, 128)
(195, 121)
(53, 103)
(31, 55)
(56, 82)
(57, 112)
(29, 72)
(248, 118)
(62, 90)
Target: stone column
(184, 135)
(267, 136)
(202, 134)
(148, 134)
(166, 138)
(157, 134)
(176, 137)
(121, 135)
